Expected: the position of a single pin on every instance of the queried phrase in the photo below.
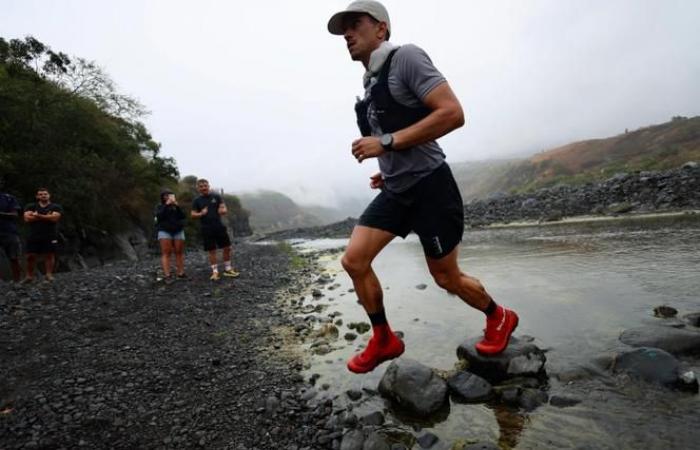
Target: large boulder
(673, 340)
(520, 358)
(413, 386)
(649, 364)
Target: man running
(9, 237)
(42, 240)
(209, 207)
(407, 105)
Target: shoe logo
(503, 322)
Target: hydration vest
(392, 115)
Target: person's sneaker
(231, 273)
(27, 281)
(498, 330)
(169, 280)
(49, 278)
(182, 276)
(376, 353)
(215, 276)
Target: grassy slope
(656, 147)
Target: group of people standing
(208, 207)
(42, 219)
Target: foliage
(64, 126)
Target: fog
(258, 95)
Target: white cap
(374, 9)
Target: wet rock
(672, 340)
(649, 364)
(375, 441)
(421, 286)
(328, 331)
(360, 327)
(413, 387)
(520, 358)
(350, 336)
(353, 440)
(353, 394)
(375, 418)
(687, 381)
(316, 293)
(693, 319)
(530, 399)
(427, 440)
(563, 401)
(665, 311)
(470, 387)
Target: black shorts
(41, 245)
(432, 208)
(216, 238)
(9, 243)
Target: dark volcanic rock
(671, 190)
(470, 387)
(649, 364)
(672, 340)
(413, 387)
(520, 358)
(110, 358)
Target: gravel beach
(112, 358)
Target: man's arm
(53, 216)
(446, 115)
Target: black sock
(378, 318)
(490, 308)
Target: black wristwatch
(387, 141)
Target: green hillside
(656, 147)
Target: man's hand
(367, 147)
(376, 181)
(30, 216)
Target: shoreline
(592, 219)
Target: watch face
(387, 140)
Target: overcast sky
(258, 94)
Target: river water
(576, 287)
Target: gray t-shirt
(412, 76)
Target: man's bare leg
(365, 244)
(500, 322)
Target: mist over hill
(274, 211)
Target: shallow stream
(575, 287)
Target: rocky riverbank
(111, 358)
(625, 193)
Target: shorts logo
(436, 245)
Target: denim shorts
(179, 236)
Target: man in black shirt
(42, 217)
(9, 238)
(208, 208)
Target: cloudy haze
(258, 95)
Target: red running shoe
(499, 327)
(381, 347)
